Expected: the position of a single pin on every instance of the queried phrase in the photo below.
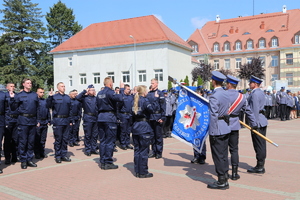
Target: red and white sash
(235, 103)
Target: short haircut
(154, 79)
(26, 79)
(59, 83)
(9, 83)
(233, 85)
(126, 85)
(117, 88)
(107, 80)
(40, 88)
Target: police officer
(76, 116)
(60, 103)
(282, 101)
(170, 100)
(141, 130)
(256, 101)
(157, 119)
(238, 103)
(11, 132)
(90, 111)
(274, 105)
(219, 130)
(107, 122)
(125, 116)
(27, 104)
(289, 105)
(44, 120)
(2, 121)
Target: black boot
(259, 168)
(221, 184)
(235, 175)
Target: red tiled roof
(114, 33)
(285, 26)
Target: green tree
(199, 81)
(186, 80)
(61, 24)
(21, 40)
(169, 85)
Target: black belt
(27, 115)
(2, 113)
(221, 117)
(13, 116)
(141, 119)
(262, 112)
(126, 113)
(91, 114)
(231, 115)
(108, 111)
(61, 116)
(157, 112)
(43, 119)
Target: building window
(96, 78)
(274, 42)
(297, 39)
(249, 60)
(82, 79)
(238, 46)
(246, 33)
(226, 46)
(158, 74)
(263, 60)
(270, 30)
(70, 63)
(289, 77)
(216, 47)
(227, 63)
(195, 48)
(262, 43)
(274, 62)
(70, 81)
(224, 35)
(289, 58)
(126, 77)
(142, 76)
(216, 64)
(274, 77)
(238, 63)
(111, 75)
(249, 44)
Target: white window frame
(274, 42)
(263, 60)
(97, 77)
(297, 39)
(274, 61)
(195, 48)
(262, 44)
(289, 77)
(216, 64)
(216, 47)
(227, 63)
(142, 76)
(158, 74)
(289, 61)
(226, 46)
(249, 44)
(249, 59)
(111, 75)
(70, 62)
(238, 63)
(238, 46)
(274, 77)
(82, 77)
(70, 80)
(126, 76)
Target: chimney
(231, 30)
(217, 19)
(262, 25)
(284, 9)
(237, 30)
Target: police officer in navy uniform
(76, 116)
(256, 101)
(289, 104)
(157, 119)
(107, 122)
(219, 130)
(90, 114)
(44, 120)
(11, 129)
(141, 130)
(282, 101)
(60, 103)
(125, 117)
(27, 104)
(2, 121)
(237, 104)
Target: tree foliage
(199, 81)
(225, 71)
(186, 80)
(21, 40)
(61, 24)
(203, 71)
(253, 68)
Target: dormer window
(246, 33)
(270, 30)
(262, 43)
(216, 47)
(274, 42)
(297, 39)
(226, 46)
(195, 48)
(224, 35)
(249, 44)
(238, 46)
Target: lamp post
(134, 62)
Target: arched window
(262, 43)
(297, 38)
(270, 30)
(250, 44)
(226, 46)
(274, 42)
(238, 45)
(216, 47)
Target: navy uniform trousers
(259, 144)
(157, 141)
(141, 150)
(233, 143)
(90, 136)
(125, 129)
(40, 140)
(2, 128)
(11, 140)
(201, 155)
(26, 142)
(61, 134)
(107, 136)
(74, 131)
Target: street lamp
(134, 62)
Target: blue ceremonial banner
(191, 120)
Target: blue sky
(182, 16)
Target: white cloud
(158, 17)
(198, 22)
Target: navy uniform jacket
(125, 106)
(60, 105)
(10, 115)
(89, 105)
(2, 109)
(27, 104)
(256, 102)
(145, 108)
(43, 113)
(290, 101)
(76, 110)
(106, 103)
(244, 106)
(218, 107)
(282, 97)
(160, 112)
